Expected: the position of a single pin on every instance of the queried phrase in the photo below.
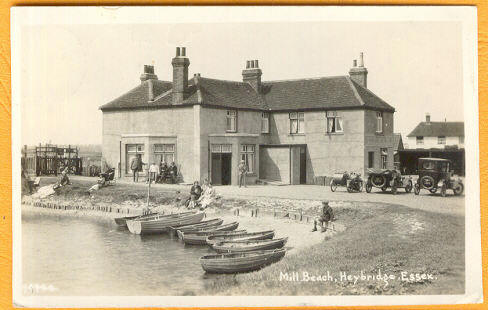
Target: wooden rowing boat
(163, 223)
(261, 235)
(249, 245)
(122, 221)
(227, 227)
(240, 262)
(201, 238)
(202, 225)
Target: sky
(69, 71)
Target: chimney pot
(354, 63)
(248, 64)
(361, 60)
(177, 51)
(256, 63)
(183, 51)
(427, 118)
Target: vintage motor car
(435, 174)
(385, 178)
(352, 181)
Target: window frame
(418, 139)
(384, 158)
(139, 149)
(379, 122)
(246, 151)
(163, 153)
(231, 115)
(441, 140)
(264, 120)
(299, 118)
(336, 119)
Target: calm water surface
(82, 256)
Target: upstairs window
(297, 122)
(231, 121)
(441, 140)
(420, 140)
(334, 122)
(379, 122)
(264, 122)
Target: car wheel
(384, 188)
(349, 189)
(427, 182)
(416, 189)
(409, 187)
(458, 189)
(333, 186)
(443, 190)
(369, 186)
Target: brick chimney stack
(180, 74)
(358, 72)
(427, 118)
(148, 74)
(252, 74)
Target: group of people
(201, 196)
(155, 173)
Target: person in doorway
(242, 173)
(173, 170)
(136, 166)
(324, 218)
(153, 172)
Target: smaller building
(430, 134)
(434, 139)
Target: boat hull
(199, 226)
(240, 262)
(227, 227)
(249, 246)
(161, 225)
(241, 237)
(201, 238)
(122, 221)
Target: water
(80, 256)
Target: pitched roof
(435, 129)
(397, 141)
(318, 93)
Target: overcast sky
(69, 71)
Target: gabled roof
(397, 142)
(435, 129)
(339, 92)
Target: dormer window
(231, 121)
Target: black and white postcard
(245, 156)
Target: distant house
(289, 131)
(397, 146)
(430, 134)
(434, 139)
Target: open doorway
(221, 168)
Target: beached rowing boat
(163, 223)
(261, 235)
(240, 262)
(249, 245)
(227, 227)
(122, 221)
(202, 225)
(201, 237)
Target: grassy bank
(386, 238)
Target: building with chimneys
(289, 131)
(434, 139)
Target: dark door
(226, 169)
(217, 168)
(303, 165)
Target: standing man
(324, 218)
(242, 173)
(136, 166)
